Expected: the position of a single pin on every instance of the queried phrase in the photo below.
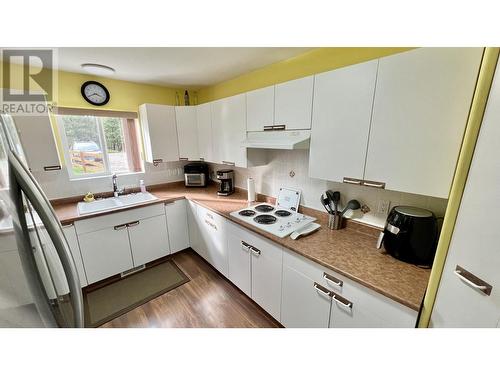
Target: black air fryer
(411, 235)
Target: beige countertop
(350, 251)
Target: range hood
(278, 140)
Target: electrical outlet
(383, 207)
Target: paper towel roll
(251, 189)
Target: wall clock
(95, 93)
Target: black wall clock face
(95, 93)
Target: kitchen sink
(114, 203)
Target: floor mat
(113, 300)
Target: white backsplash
(56, 184)
(270, 177)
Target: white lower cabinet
(70, 234)
(177, 224)
(194, 228)
(314, 296)
(255, 267)
(360, 307)
(117, 242)
(148, 239)
(266, 275)
(239, 261)
(303, 305)
(105, 252)
(212, 245)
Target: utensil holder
(334, 222)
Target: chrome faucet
(116, 191)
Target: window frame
(102, 138)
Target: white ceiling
(175, 66)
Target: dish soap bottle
(142, 186)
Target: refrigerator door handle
(48, 217)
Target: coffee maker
(226, 181)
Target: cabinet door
(204, 126)
(187, 132)
(260, 108)
(293, 103)
(105, 253)
(195, 230)
(70, 234)
(343, 100)
(474, 245)
(37, 138)
(302, 305)
(422, 101)
(148, 239)
(229, 130)
(213, 239)
(177, 223)
(238, 254)
(267, 264)
(159, 132)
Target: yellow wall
(125, 96)
(314, 61)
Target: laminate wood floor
(207, 300)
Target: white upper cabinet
(260, 108)
(420, 110)
(187, 132)
(229, 130)
(37, 138)
(293, 103)
(204, 128)
(343, 100)
(159, 133)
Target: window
(96, 145)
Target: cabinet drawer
(369, 308)
(118, 218)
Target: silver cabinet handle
(472, 280)
(332, 279)
(133, 224)
(255, 251)
(274, 127)
(228, 162)
(342, 301)
(68, 225)
(353, 181)
(120, 227)
(156, 161)
(52, 168)
(245, 246)
(375, 184)
(183, 159)
(323, 290)
(211, 224)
